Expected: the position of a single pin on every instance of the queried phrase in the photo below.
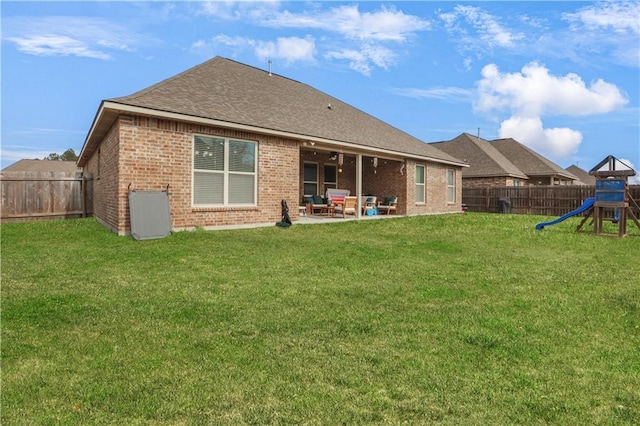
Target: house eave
(552, 175)
(492, 175)
(87, 148)
(109, 111)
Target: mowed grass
(456, 319)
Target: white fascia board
(96, 120)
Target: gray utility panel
(149, 214)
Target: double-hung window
(224, 172)
(420, 183)
(451, 186)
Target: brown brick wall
(436, 190)
(104, 166)
(144, 153)
(386, 182)
(155, 153)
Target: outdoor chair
(314, 202)
(388, 205)
(348, 206)
(368, 204)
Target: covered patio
(363, 174)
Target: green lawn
(457, 319)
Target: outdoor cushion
(317, 199)
(332, 192)
(308, 199)
(388, 200)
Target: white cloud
(486, 27)
(358, 61)
(361, 60)
(231, 41)
(365, 35)
(451, 94)
(633, 180)
(554, 143)
(69, 36)
(363, 38)
(219, 9)
(386, 24)
(608, 29)
(237, 10)
(52, 45)
(621, 16)
(533, 93)
(627, 56)
(291, 49)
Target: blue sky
(560, 77)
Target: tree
(68, 155)
(53, 156)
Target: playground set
(612, 200)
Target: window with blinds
(420, 183)
(451, 186)
(224, 172)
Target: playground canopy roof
(611, 166)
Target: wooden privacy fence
(30, 196)
(538, 200)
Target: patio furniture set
(338, 201)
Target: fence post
(83, 194)
(486, 199)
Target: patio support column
(358, 184)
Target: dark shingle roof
(529, 161)
(582, 175)
(483, 158)
(235, 93)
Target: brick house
(503, 162)
(230, 141)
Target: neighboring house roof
(483, 158)
(226, 93)
(43, 166)
(530, 162)
(583, 176)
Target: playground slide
(586, 205)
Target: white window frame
(451, 187)
(225, 172)
(421, 187)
